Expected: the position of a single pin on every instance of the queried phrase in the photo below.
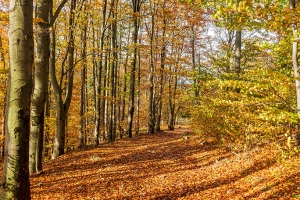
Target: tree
(41, 76)
(62, 106)
(136, 4)
(16, 174)
(40, 87)
(295, 57)
(113, 74)
(4, 88)
(151, 105)
(97, 73)
(83, 90)
(161, 70)
(238, 49)
(99, 105)
(3, 67)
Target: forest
(149, 99)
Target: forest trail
(168, 165)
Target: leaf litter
(166, 166)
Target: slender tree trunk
(238, 52)
(58, 148)
(172, 116)
(123, 101)
(98, 79)
(138, 98)
(83, 94)
(296, 64)
(105, 95)
(195, 72)
(112, 120)
(237, 57)
(41, 74)
(47, 115)
(161, 72)
(172, 86)
(15, 183)
(151, 107)
(295, 56)
(123, 98)
(60, 116)
(136, 9)
(171, 107)
(62, 107)
(170, 96)
(96, 91)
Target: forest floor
(169, 165)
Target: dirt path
(167, 165)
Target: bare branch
(54, 17)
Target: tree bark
(123, 101)
(4, 99)
(83, 93)
(41, 75)
(113, 86)
(238, 52)
(47, 115)
(195, 72)
(172, 84)
(138, 98)
(151, 107)
(295, 57)
(62, 107)
(98, 78)
(136, 9)
(237, 57)
(292, 4)
(105, 96)
(16, 174)
(161, 72)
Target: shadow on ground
(158, 166)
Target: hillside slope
(168, 165)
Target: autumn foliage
(221, 73)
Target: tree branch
(54, 17)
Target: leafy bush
(255, 109)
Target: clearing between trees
(169, 165)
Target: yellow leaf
(39, 20)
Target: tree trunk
(138, 98)
(62, 107)
(237, 57)
(171, 104)
(47, 115)
(113, 86)
(295, 57)
(83, 94)
(161, 72)
(195, 72)
(136, 9)
(41, 75)
(16, 174)
(123, 101)
(4, 100)
(151, 107)
(105, 96)
(98, 79)
(172, 86)
(296, 64)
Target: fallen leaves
(163, 166)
